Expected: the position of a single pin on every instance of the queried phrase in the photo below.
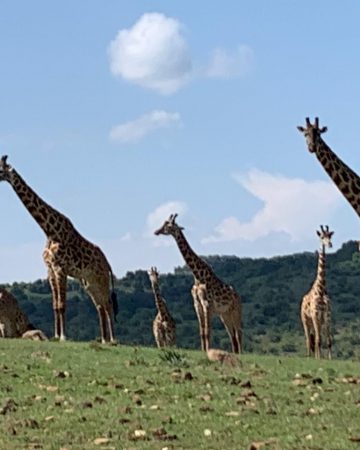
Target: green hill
(270, 289)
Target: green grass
(66, 395)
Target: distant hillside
(270, 289)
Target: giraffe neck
(320, 280)
(347, 181)
(159, 301)
(54, 224)
(200, 269)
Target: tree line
(271, 290)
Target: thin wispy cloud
(158, 216)
(135, 130)
(153, 53)
(290, 205)
(226, 64)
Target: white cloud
(291, 206)
(135, 130)
(152, 53)
(157, 217)
(227, 64)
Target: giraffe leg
(101, 314)
(61, 304)
(227, 320)
(110, 324)
(328, 327)
(207, 316)
(317, 331)
(307, 335)
(200, 315)
(53, 285)
(57, 282)
(329, 339)
(99, 294)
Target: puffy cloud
(227, 64)
(152, 53)
(135, 130)
(291, 206)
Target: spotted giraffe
(210, 294)
(67, 253)
(316, 306)
(346, 180)
(13, 321)
(164, 325)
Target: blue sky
(120, 113)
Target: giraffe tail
(113, 297)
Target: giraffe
(67, 253)
(316, 306)
(13, 322)
(210, 294)
(164, 325)
(347, 181)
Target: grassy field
(87, 396)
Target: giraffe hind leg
(110, 325)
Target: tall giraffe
(347, 181)
(316, 306)
(210, 294)
(67, 253)
(164, 325)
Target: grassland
(87, 396)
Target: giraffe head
(153, 275)
(169, 226)
(312, 134)
(5, 169)
(325, 236)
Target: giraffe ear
(301, 129)
(323, 130)
(331, 233)
(318, 233)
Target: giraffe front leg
(61, 306)
(200, 315)
(307, 335)
(207, 315)
(317, 341)
(329, 341)
(55, 296)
